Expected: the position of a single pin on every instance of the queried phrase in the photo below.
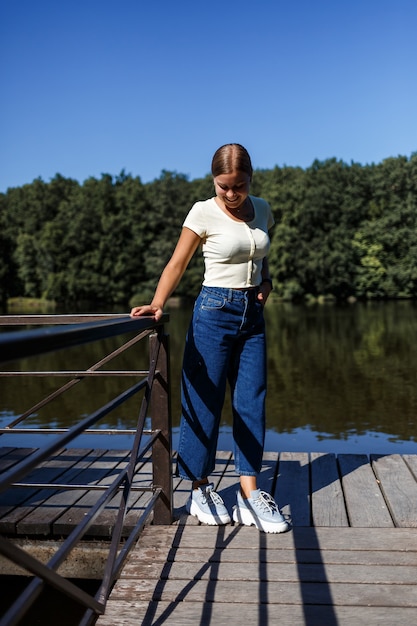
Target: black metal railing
(59, 333)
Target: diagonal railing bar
(15, 473)
(93, 369)
(46, 400)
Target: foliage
(341, 231)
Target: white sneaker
(207, 506)
(261, 510)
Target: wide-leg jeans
(225, 342)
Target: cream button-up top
(233, 251)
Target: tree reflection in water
(341, 378)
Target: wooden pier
(350, 556)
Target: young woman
(225, 340)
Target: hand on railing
(147, 309)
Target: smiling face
(232, 189)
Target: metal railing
(59, 333)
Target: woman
(225, 340)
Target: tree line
(342, 230)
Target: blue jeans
(225, 342)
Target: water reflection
(341, 379)
(343, 370)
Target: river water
(340, 379)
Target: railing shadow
(309, 594)
(298, 481)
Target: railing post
(161, 420)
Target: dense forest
(342, 231)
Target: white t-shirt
(233, 251)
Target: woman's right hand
(147, 309)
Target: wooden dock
(350, 556)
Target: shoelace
(213, 496)
(267, 502)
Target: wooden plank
(364, 501)
(411, 461)
(40, 514)
(12, 456)
(328, 505)
(6, 450)
(399, 487)
(13, 502)
(136, 504)
(292, 492)
(267, 555)
(252, 592)
(274, 572)
(133, 612)
(299, 538)
(105, 471)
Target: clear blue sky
(97, 86)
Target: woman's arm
(172, 274)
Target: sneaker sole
(195, 511)
(245, 517)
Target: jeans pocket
(212, 302)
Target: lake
(341, 378)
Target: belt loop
(230, 295)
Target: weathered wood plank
(155, 554)
(40, 514)
(252, 592)
(133, 612)
(292, 492)
(105, 471)
(364, 501)
(136, 504)
(328, 504)
(299, 538)
(10, 456)
(4, 450)
(273, 572)
(16, 503)
(411, 461)
(399, 487)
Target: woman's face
(232, 189)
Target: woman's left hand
(264, 291)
